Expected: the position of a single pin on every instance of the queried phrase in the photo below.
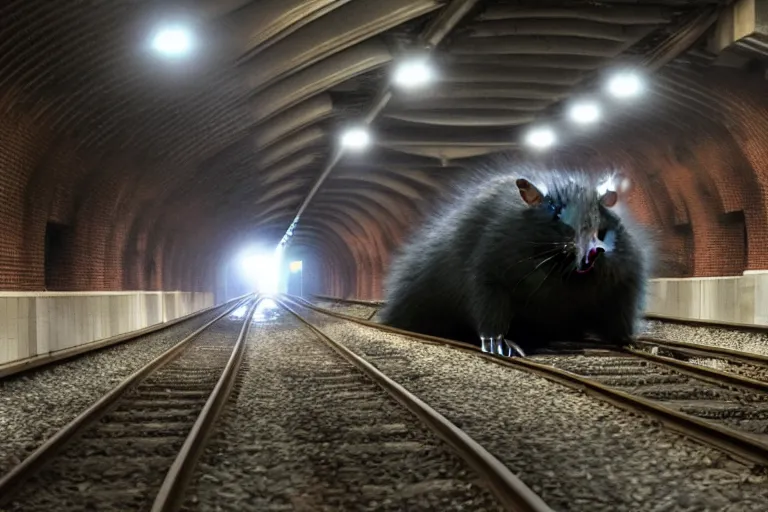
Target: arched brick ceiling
(155, 171)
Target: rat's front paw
(500, 346)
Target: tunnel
(165, 160)
(127, 170)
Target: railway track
(724, 409)
(135, 447)
(510, 492)
(316, 427)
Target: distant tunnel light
(295, 266)
(172, 41)
(626, 84)
(412, 74)
(540, 138)
(262, 270)
(356, 139)
(585, 112)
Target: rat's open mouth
(587, 263)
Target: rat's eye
(556, 209)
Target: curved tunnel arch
(155, 175)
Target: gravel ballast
(308, 432)
(576, 452)
(755, 343)
(36, 404)
(118, 463)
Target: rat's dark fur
(491, 264)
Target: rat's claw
(486, 344)
(514, 347)
(498, 345)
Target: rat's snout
(588, 248)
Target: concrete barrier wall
(37, 323)
(740, 299)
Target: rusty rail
(510, 490)
(371, 303)
(706, 351)
(725, 439)
(718, 324)
(699, 372)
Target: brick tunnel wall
(70, 217)
(697, 153)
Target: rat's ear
(619, 186)
(529, 192)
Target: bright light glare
(239, 312)
(265, 310)
(540, 138)
(295, 266)
(413, 73)
(172, 41)
(585, 112)
(356, 139)
(262, 270)
(625, 85)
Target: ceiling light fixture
(412, 74)
(540, 138)
(625, 84)
(585, 112)
(356, 139)
(174, 41)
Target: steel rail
(371, 303)
(706, 351)
(30, 363)
(704, 373)
(757, 328)
(737, 444)
(11, 481)
(171, 496)
(508, 489)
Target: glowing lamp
(356, 139)
(413, 74)
(540, 138)
(625, 85)
(172, 41)
(584, 112)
